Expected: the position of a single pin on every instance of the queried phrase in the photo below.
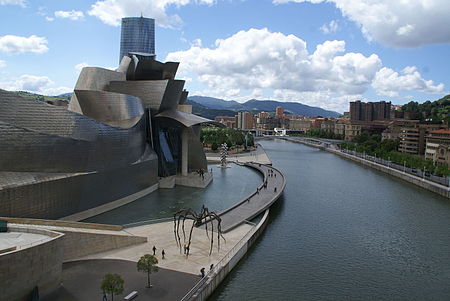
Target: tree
(113, 284)
(147, 264)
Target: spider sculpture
(204, 217)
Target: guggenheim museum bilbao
(122, 132)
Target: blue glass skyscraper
(137, 35)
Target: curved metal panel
(185, 119)
(172, 95)
(94, 78)
(155, 70)
(110, 108)
(150, 92)
(25, 150)
(124, 64)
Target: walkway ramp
(257, 202)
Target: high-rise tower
(137, 35)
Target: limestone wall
(78, 244)
(36, 265)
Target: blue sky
(319, 52)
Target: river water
(345, 232)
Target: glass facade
(137, 35)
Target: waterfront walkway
(266, 194)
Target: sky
(322, 53)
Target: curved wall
(38, 265)
(39, 137)
(67, 194)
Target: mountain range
(202, 104)
(210, 107)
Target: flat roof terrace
(20, 240)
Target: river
(342, 231)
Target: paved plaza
(161, 236)
(82, 280)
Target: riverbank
(419, 181)
(240, 237)
(258, 156)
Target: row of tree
(113, 284)
(215, 136)
(387, 149)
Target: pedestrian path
(256, 203)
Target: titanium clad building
(121, 134)
(137, 35)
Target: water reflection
(229, 185)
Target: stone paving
(161, 236)
(81, 281)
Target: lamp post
(404, 166)
(423, 174)
(389, 161)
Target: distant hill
(40, 97)
(66, 95)
(203, 111)
(256, 106)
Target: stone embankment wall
(439, 189)
(431, 186)
(211, 281)
(83, 239)
(38, 264)
(78, 244)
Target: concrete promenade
(264, 196)
(161, 235)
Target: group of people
(202, 270)
(201, 173)
(163, 253)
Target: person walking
(202, 270)
(154, 250)
(163, 254)
(211, 266)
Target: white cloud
(258, 62)
(259, 59)
(36, 84)
(13, 2)
(80, 66)
(389, 83)
(197, 43)
(72, 15)
(401, 23)
(50, 19)
(330, 27)
(2, 64)
(15, 44)
(111, 11)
